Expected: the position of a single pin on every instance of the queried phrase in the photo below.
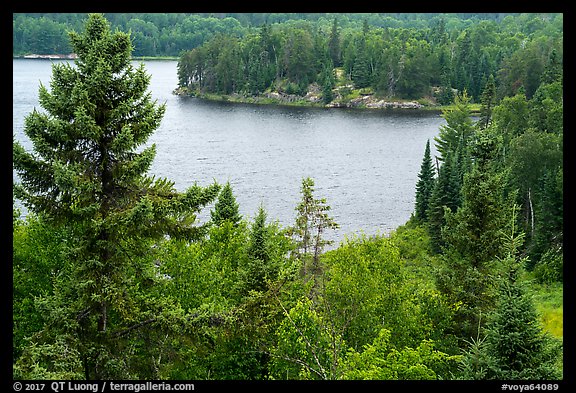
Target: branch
(138, 325)
(297, 361)
(83, 314)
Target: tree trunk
(531, 213)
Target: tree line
(168, 34)
(396, 62)
(404, 55)
(116, 278)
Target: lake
(365, 163)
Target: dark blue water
(364, 162)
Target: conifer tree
(311, 223)
(361, 74)
(258, 249)
(443, 197)
(472, 239)
(258, 268)
(487, 99)
(334, 44)
(515, 346)
(425, 185)
(87, 174)
(458, 128)
(226, 208)
(327, 85)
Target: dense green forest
(406, 56)
(168, 34)
(341, 60)
(114, 277)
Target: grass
(549, 302)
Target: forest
(114, 276)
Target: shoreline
(276, 99)
(362, 102)
(73, 56)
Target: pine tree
(477, 224)
(226, 208)
(327, 86)
(87, 175)
(553, 70)
(312, 221)
(334, 44)
(258, 268)
(361, 73)
(515, 346)
(425, 185)
(472, 239)
(487, 99)
(443, 197)
(458, 128)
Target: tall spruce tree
(472, 238)
(488, 100)
(425, 185)
(258, 268)
(458, 128)
(86, 173)
(515, 346)
(334, 44)
(226, 208)
(445, 196)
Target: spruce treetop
(88, 174)
(226, 208)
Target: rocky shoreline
(312, 98)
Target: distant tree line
(405, 62)
(394, 54)
(167, 34)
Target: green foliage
(113, 278)
(511, 117)
(397, 54)
(367, 288)
(488, 99)
(382, 361)
(266, 249)
(39, 254)
(458, 128)
(473, 230)
(312, 221)
(55, 361)
(396, 62)
(444, 199)
(516, 347)
(473, 241)
(425, 185)
(226, 207)
(535, 162)
(550, 267)
(88, 177)
(306, 348)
